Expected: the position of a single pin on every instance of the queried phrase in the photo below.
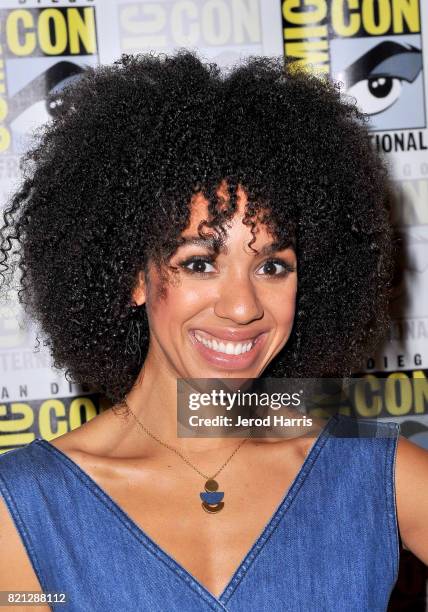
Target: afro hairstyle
(106, 189)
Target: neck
(153, 401)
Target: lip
(227, 362)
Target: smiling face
(226, 315)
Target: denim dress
(332, 543)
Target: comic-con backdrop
(376, 48)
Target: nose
(238, 301)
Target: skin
(140, 474)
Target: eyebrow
(387, 58)
(210, 242)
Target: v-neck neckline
(171, 561)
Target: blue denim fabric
(331, 545)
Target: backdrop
(376, 48)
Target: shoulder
(411, 486)
(96, 437)
(16, 570)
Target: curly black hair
(106, 191)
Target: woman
(174, 223)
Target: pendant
(211, 500)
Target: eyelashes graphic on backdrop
(41, 98)
(376, 78)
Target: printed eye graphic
(375, 79)
(30, 118)
(376, 94)
(41, 99)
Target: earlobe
(139, 292)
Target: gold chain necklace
(211, 498)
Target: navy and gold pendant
(211, 499)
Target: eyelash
(196, 259)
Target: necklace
(211, 497)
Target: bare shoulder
(411, 484)
(95, 437)
(16, 570)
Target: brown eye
(200, 265)
(276, 267)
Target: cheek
(283, 306)
(179, 304)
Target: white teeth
(229, 348)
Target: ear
(139, 293)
